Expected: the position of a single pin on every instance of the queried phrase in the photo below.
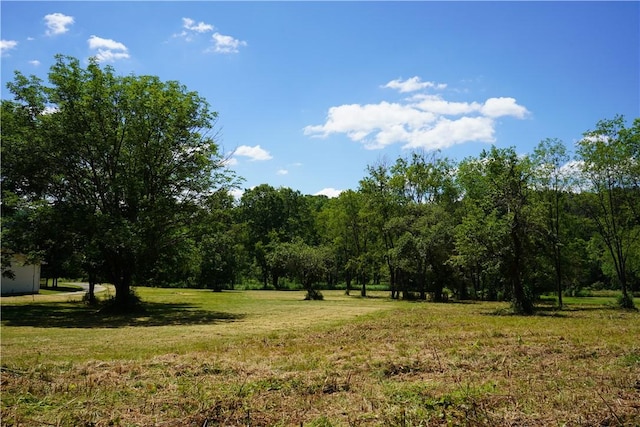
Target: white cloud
(230, 161)
(105, 55)
(437, 105)
(226, 44)
(96, 42)
(191, 28)
(7, 45)
(34, 62)
(421, 121)
(108, 50)
(498, 107)
(200, 27)
(329, 192)
(57, 23)
(413, 84)
(237, 193)
(359, 121)
(255, 153)
(282, 172)
(446, 133)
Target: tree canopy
(120, 179)
(133, 156)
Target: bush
(626, 301)
(313, 295)
(133, 305)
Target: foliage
(611, 158)
(132, 156)
(119, 179)
(498, 196)
(553, 184)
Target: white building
(26, 278)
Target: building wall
(26, 280)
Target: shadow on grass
(79, 315)
(547, 310)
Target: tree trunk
(521, 302)
(348, 280)
(91, 298)
(558, 276)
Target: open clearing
(265, 358)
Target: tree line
(119, 179)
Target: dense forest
(119, 179)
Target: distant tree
(381, 204)
(306, 264)
(610, 156)
(346, 232)
(309, 265)
(498, 185)
(263, 215)
(552, 184)
(423, 182)
(134, 153)
(478, 242)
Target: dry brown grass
(402, 364)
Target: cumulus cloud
(498, 107)
(282, 172)
(96, 42)
(413, 84)
(226, 44)
(191, 28)
(107, 50)
(34, 62)
(221, 43)
(437, 105)
(200, 27)
(255, 153)
(359, 121)
(7, 45)
(57, 23)
(424, 120)
(329, 192)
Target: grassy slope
(269, 358)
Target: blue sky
(310, 93)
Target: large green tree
(610, 157)
(497, 185)
(134, 153)
(341, 223)
(272, 216)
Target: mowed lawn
(266, 358)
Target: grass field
(265, 358)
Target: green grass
(271, 358)
(176, 321)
